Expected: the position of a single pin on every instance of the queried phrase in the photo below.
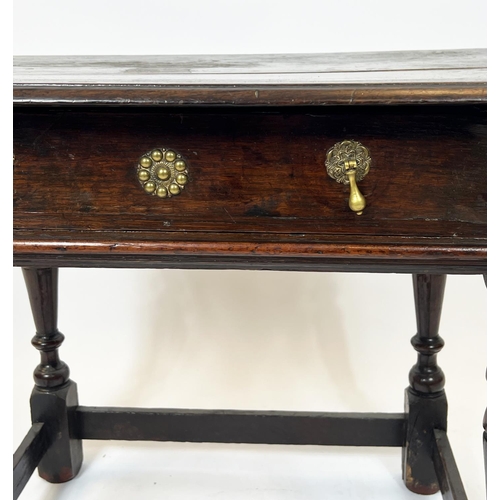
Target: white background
(249, 340)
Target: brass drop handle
(348, 162)
(357, 201)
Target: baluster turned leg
(425, 399)
(54, 395)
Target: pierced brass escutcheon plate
(162, 172)
(348, 162)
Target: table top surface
(438, 76)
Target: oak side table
(366, 162)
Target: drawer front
(259, 172)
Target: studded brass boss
(162, 172)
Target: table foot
(56, 409)
(425, 413)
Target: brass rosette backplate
(339, 156)
(348, 162)
(162, 172)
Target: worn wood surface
(233, 426)
(425, 412)
(255, 95)
(54, 396)
(28, 455)
(364, 67)
(426, 377)
(42, 287)
(450, 482)
(256, 178)
(425, 399)
(396, 260)
(255, 132)
(283, 79)
(56, 407)
(258, 186)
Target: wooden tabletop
(403, 77)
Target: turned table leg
(54, 397)
(425, 401)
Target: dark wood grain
(232, 426)
(41, 285)
(418, 77)
(256, 95)
(148, 261)
(426, 377)
(425, 413)
(450, 482)
(253, 173)
(64, 249)
(425, 399)
(255, 131)
(56, 409)
(54, 396)
(28, 455)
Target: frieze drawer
(258, 171)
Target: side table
(369, 162)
